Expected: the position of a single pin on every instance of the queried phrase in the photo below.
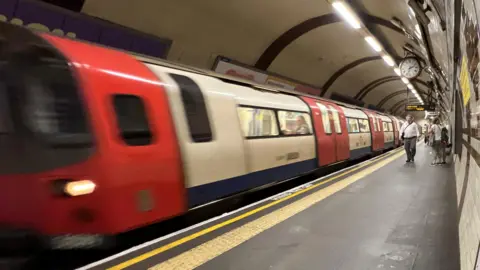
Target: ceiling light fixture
(373, 43)
(388, 60)
(347, 14)
(410, 86)
(405, 81)
(397, 70)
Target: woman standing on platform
(409, 134)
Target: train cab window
(390, 127)
(132, 120)
(336, 120)
(294, 123)
(195, 109)
(325, 118)
(256, 122)
(353, 125)
(363, 125)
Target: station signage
(419, 108)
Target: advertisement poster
(227, 66)
(465, 82)
(281, 83)
(231, 69)
(469, 42)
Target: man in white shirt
(409, 133)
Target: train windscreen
(43, 121)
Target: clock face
(410, 68)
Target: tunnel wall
(466, 137)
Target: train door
(341, 141)
(395, 131)
(381, 133)
(323, 132)
(375, 130)
(145, 164)
(326, 142)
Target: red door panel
(341, 135)
(376, 134)
(325, 141)
(332, 147)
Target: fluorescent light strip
(397, 70)
(388, 60)
(373, 43)
(348, 15)
(405, 80)
(410, 86)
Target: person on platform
(409, 134)
(436, 133)
(425, 133)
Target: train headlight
(78, 188)
(73, 188)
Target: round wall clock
(410, 67)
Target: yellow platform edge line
(383, 161)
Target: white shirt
(411, 130)
(437, 132)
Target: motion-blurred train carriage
(96, 141)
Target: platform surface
(402, 216)
(387, 215)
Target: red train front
(66, 168)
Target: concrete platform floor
(402, 216)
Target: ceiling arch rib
(344, 69)
(394, 94)
(277, 46)
(371, 86)
(360, 95)
(397, 106)
(387, 98)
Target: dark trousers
(410, 147)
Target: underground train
(96, 141)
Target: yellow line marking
(188, 238)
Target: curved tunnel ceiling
(311, 45)
(269, 55)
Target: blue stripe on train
(361, 152)
(209, 192)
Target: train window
(195, 109)
(132, 120)
(363, 125)
(385, 126)
(294, 123)
(325, 118)
(336, 120)
(257, 122)
(390, 127)
(353, 125)
(375, 124)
